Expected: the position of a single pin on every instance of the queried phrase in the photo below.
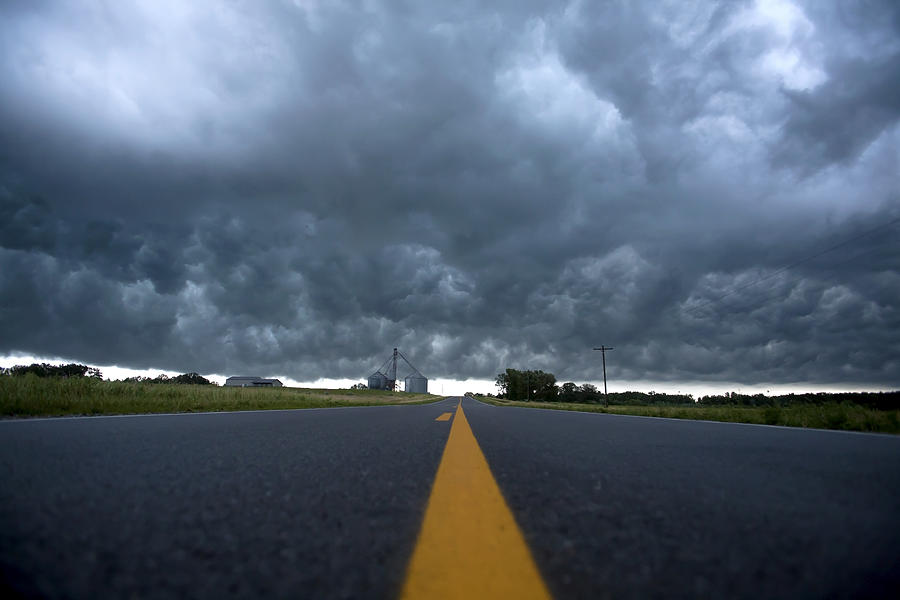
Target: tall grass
(829, 415)
(51, 396)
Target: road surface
(331, 503)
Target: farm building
(378, 381)
(385, 378)
(416, 383)
(252, 382)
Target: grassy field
(31, 396)
(830, 415)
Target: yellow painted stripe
(469, 545)
(444, 417)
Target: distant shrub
(876, 400)
(184, 378)
(48, 370)
(772, 415)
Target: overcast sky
(294, 188)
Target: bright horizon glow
(458, 387)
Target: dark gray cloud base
(294, 188)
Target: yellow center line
(444, 417)
(469, 545)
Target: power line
(795, 264)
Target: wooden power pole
(603, 350)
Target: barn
(252, 382)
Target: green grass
(829, 415)
(31, 396)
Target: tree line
(47, 370)
(514, 384)
(77, 370)
(527, 385)
(184, 379)
(876, 400)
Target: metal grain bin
(416, 384)
(377, 381)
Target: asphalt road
(328, 503)
(301, 504)
(632, 507)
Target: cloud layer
(294, 188)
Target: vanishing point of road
(451, 499)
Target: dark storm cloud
(840, 121)
(296, 187)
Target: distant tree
(48, 370)
(543, 386)
(588, 393)
(648, 398)
(184, 379)
(527, 385)
(191, 379)
(567, 392)
(359, 386)
(502, 383)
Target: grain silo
(378, 381)
(415, 383)
(385, 378)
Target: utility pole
(603, 350)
